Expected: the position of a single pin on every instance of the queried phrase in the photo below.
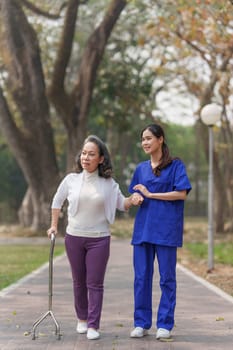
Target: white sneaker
(81, 327)
(92, 334)
(138, 332)
(163, 333)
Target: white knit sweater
(92, 203)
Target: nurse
(158, 231)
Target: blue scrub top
(159, 221)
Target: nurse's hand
(142, 189)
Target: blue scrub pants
(144, 256)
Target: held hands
(136, 199)
(142, 189)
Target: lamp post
(210, 115)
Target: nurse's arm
(166, 196)
(169, 196)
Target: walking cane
(49, 312)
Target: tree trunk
(25, 212)
(225, 154)
(220, 191)
(197, 171)
(30, 138)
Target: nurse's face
(150, 143)
(90, 157)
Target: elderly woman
(93, 197)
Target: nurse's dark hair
(105, 168)
(166, 158)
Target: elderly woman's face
(90, 157)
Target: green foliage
(121, 97)
(181, 141)
(12, 182)
(19, 260)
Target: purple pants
(88, 259)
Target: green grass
(223, 252)
(17, 261)
(199, 250)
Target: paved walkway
(204, 314)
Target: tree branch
(8, 125)
(40, 12)
(193, 46)
(56, 90)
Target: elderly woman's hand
(51, 231)
(137, 199)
